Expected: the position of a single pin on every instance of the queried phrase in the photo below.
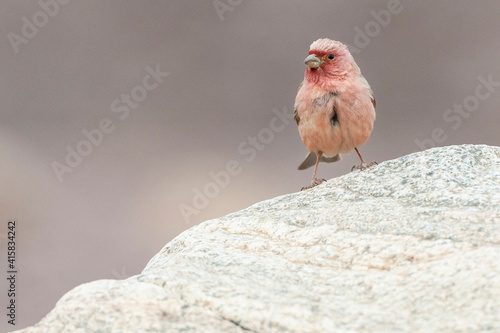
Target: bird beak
(312, 61)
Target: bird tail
(311, 160)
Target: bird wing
(296, 107)
(367, 85)
(353, 111)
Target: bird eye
(331, 56)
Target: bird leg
(315, 181)
(363, 165)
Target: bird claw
(363, 166)
(314, 182)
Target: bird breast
(334, 121)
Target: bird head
(328, 59)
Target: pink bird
(334, 108)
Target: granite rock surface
(410, 245)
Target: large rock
(409, 245)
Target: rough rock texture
(409, 245)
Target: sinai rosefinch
(334, 108)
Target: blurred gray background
(230, 63)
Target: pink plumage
(334, 107)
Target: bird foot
(363, 166)
(314, 182)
